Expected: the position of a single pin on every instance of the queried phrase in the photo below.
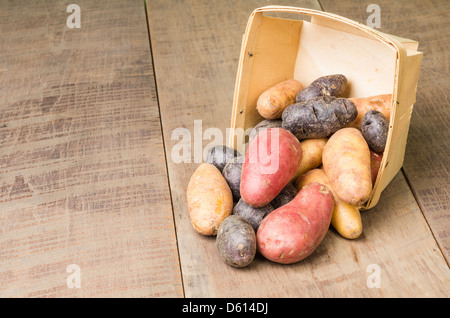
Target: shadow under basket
(275, 49)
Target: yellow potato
(346, 218)
(209, 199)
(346, 161)
(272, 102)
(312, 155)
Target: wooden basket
(275, 49)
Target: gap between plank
(164, 144)
(320, 5)
(421, 211)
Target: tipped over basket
(276, 49)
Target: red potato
(293, 231)
(346, 218)
(375, 163)
(270, 163)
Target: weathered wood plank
(82, 170)
(196, 46)
(427, 155)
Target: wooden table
(86, 175)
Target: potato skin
(312, 154)
(375, 164)
(266, 123)
(272, 102)
(209, 199)
(318, 117)
(346, 218)
(232, 174)
(252, 215)
(346, 161)
(375, 128)
(219, 156)
(236, 241)
(285, 196)
(271, 161)
(330, 85)
(292, 232)
(382, 103)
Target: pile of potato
(327, 156)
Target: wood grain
(427, 155)
(82, 168)
(195, 46)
